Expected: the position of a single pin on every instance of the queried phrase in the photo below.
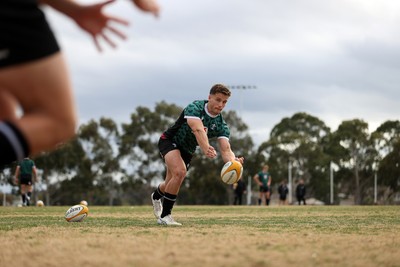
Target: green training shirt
(26, 166)
(181, 133)
(264, 177)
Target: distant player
(198, 122)
(264, 179)
(26, 176)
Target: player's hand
(93, 20)
(147, 6)
(240, 159)
(211, 152)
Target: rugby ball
(39, 203)
(231, 172)
(76, 213)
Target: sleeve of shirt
(225, 132)
(192, 111)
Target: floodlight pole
(241, 88)
(331, 178)
(376, 188)
(290, 181)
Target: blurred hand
(147, 6)
(92, 20)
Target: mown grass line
(365, 220)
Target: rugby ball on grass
(76, 213)
(231, 172)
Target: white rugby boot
(157, 206)
(168, 220)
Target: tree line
(111, 164)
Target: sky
(334, 59)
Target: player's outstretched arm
(198, 130)
(226, 151)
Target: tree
(138, 150)
(385, 140)
(389, 170)
(57, 166)
(298, 140)
(354, 151)
(100, 141)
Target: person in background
(26, 176)
(33, 74)
(283, 191)
(264, 179)
(301, 192)
(239, 189)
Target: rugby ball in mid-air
(77, 213)
(231, 172)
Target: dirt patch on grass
(193, 246)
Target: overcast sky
(334, 59)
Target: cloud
(334, 59)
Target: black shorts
(166, 145)
(24, 33)
(264, 189)
(26, 179)
(282, 197)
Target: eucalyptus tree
(100, 141)
(59, 165)
(138, 150)
(386, 139)
(296, 141)
(389, 171)
(354, 151)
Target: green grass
(252, 236)
(368, 220)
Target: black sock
(259, 201)
(13, 145)
(267, 202)
(23, 198)
(158, 194)
(168, 204)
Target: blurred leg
(43, 90)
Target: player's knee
(180, 173)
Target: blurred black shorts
(25, 34)
(26, 179)
(264, 189)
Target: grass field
(210, 236)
